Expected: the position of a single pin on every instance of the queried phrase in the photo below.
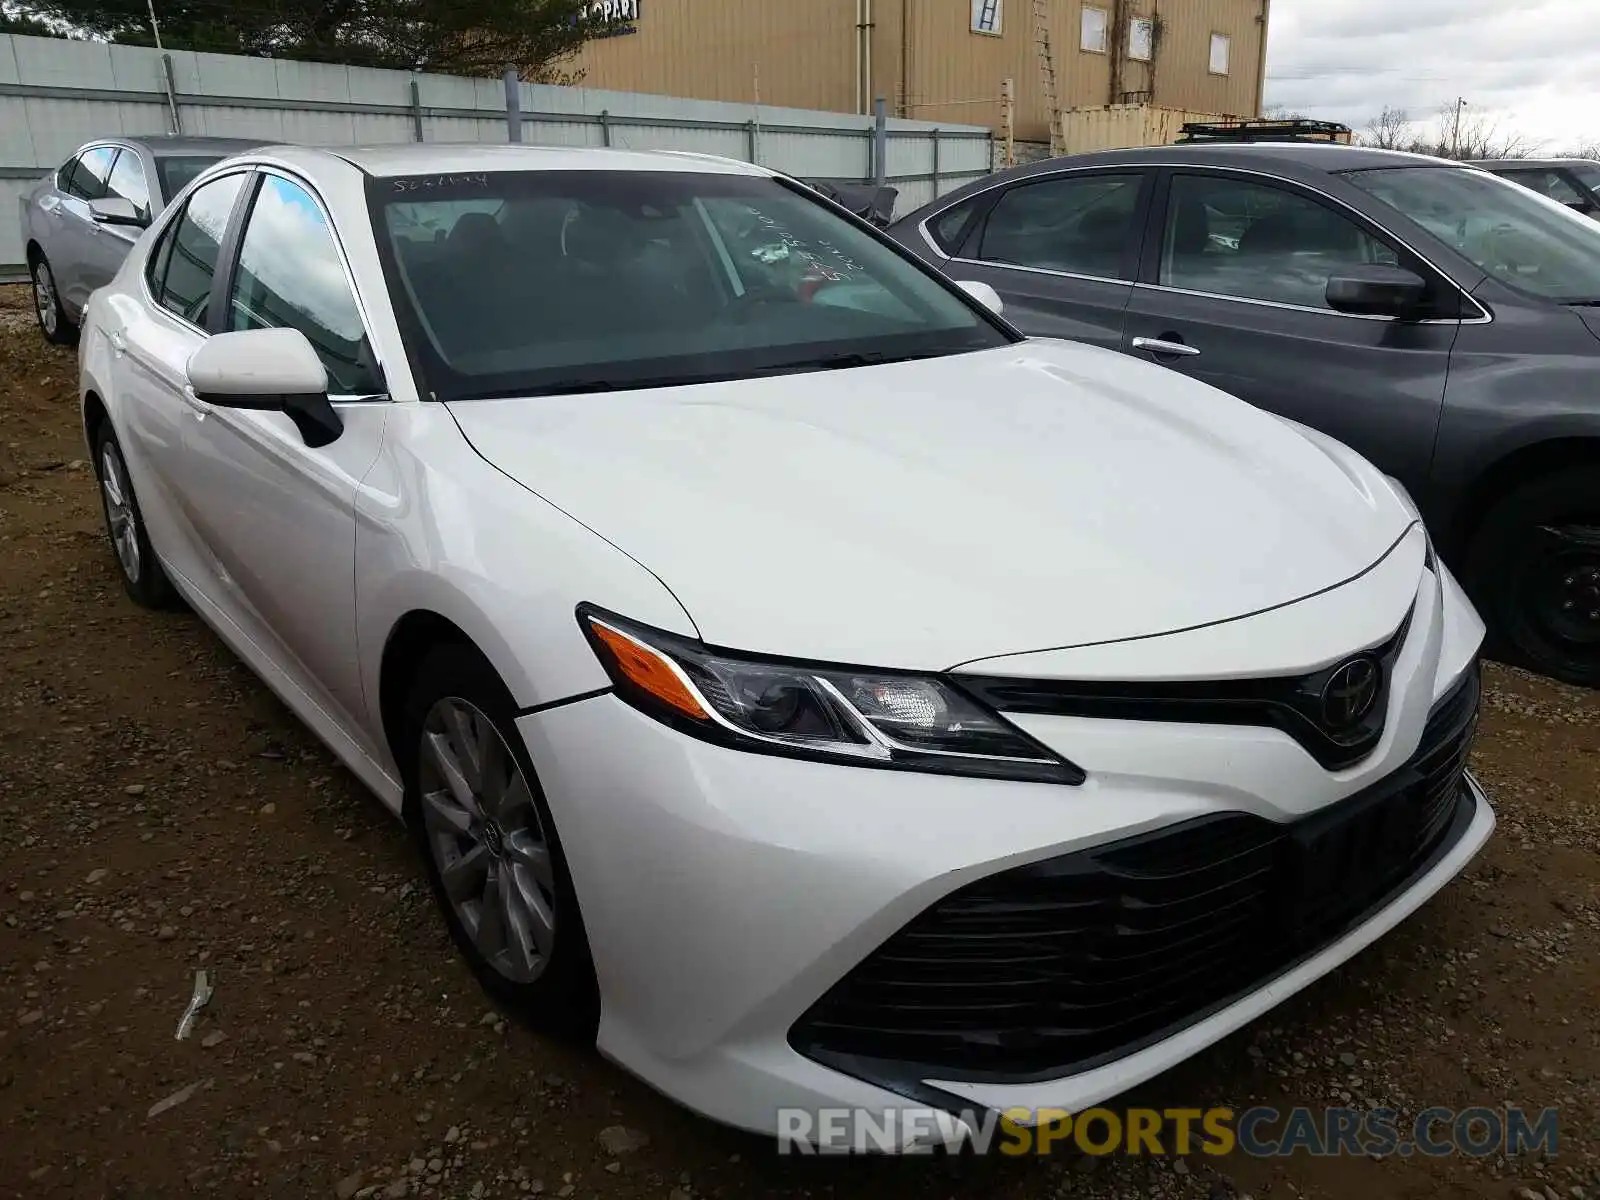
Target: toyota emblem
(1350, 693)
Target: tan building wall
(926, 60)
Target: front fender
(439, 530)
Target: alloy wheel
(44, 297)
(122, 519)
(487, 841)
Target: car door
(107, 245)
(78, 233)
(276, 516)
(49, 215)
(152, 342)
(1232, 292)
(1061, 250)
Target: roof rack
(1296, 129)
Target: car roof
(444, 158)
(161, 144)
(1532, 162)
(1289, 158)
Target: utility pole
(1455, 138)
(154, 27)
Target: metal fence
(56, 94)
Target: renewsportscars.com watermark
(1257, 1132)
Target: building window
(1141, 39)
(988, 16)
(1221, 43)
(1092, 36)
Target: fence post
(880, 141)
(605, 126)
(172, 93)
(416, 111)
(513, 106)
(935, 136)
(752, 151)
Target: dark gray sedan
(1442, 321)
(80, 220)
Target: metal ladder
(1047, 75)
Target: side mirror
(1376, 290)
(114, 210)
(983, 294)
(270, 370)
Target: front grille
(1295, 704)
(1051, 968)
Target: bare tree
(1389, 130)
(1468, 135)
(1589, 149)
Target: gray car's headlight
(861, 717)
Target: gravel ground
(162, 812)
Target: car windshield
(529, 282)
(1516, 235)
(178, 170)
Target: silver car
(81, 219)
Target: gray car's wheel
(141, 571)
(54, 323)
(489, 843)
(1534, 570)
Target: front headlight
(865, 718)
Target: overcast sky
(1533, 64)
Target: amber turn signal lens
(648, 671)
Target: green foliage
(458, 37)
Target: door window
(1080, 223)
(290, 276)
(1232, 237)
(89, 175)
(196, 244)
(127, 181)
(1553, 184)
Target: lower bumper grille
(1051, 968)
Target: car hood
(927, 513)
(1589, 316)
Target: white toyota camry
(795, 679)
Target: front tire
(489, 844)
(57, 327)
(1534, 569)
(141, 571)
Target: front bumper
(726, 893)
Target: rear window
(178, 171)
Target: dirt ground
(160, 812)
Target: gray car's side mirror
(270, 370)
(1376, 290)
(114, 210)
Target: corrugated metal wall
(57, 94)
(927, 61)
(796, 53)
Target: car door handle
(1162, 346)
(118, 342)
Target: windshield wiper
(846, 361)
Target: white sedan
(795, 679)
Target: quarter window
(196, 244)
(89, 175)
(127, 181)
(1081, 224)
(290, 276)
(1231, 237)
(949, 228)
